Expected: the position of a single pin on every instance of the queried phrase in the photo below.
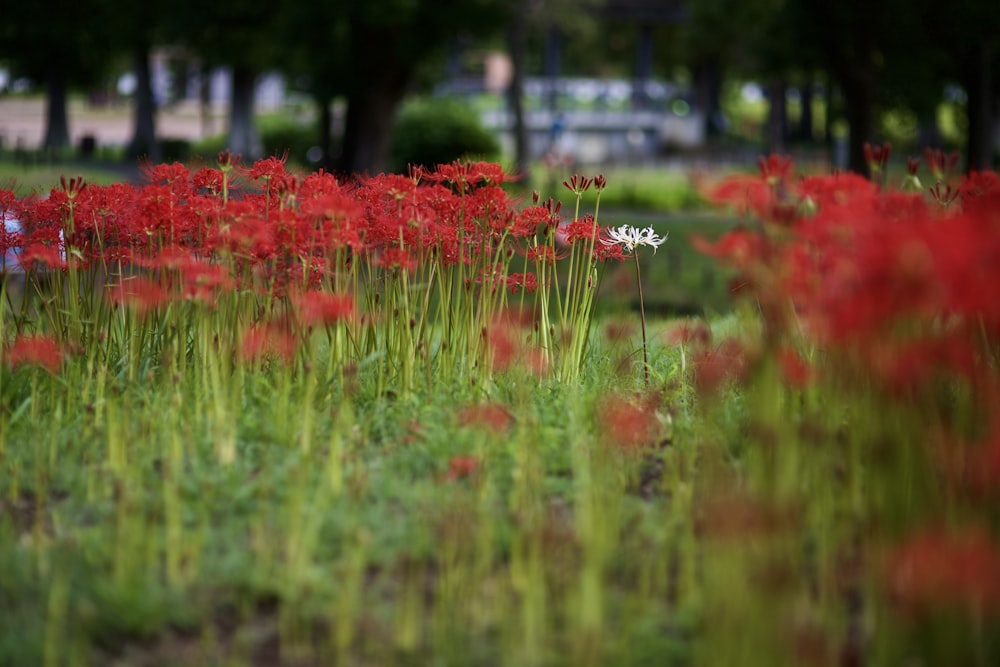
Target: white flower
(631, 237)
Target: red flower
(41, 256)
(267, 341)
(36, 350)
(794, 368)
(397, 258)
(522, 281)
(585, 228)
(322, 308)
(141, 293)
(953, 568)
(774, 168)
(492, 417)
(461, 467)
(209, 179)
(714, 367)
(628, 423)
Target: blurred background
(375, 85)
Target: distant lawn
(25, 179)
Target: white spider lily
(631, 237)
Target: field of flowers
(254, 418)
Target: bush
(278, 134)
(432, 132)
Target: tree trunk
(325, 133)
(804, 132)
(859, 99)
(777, 116)
(707, 92)
(516, 38)
(643, 66)
(979, 88)
(205, 101)
(56, 115)
(372, 100)
(143, 143)
(244, 138)
(368, 128)
(553, 60)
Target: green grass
(121, 534)
(39, 178)
(641, 188)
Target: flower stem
(642, 316)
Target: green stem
(642, 317)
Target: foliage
(239, 466)
(280, 135)
(430, 132)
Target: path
(22, 122)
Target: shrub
(279, 135)
(432, 132)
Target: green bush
(432, 132)
(279, 135)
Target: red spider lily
(876, 156)
(689, 332)
(464, 176)
(166, 174)
(42, 256)
(628, 423)
(774, 169)
(267, 341)
(203, 281)
(271, 168)
(978, 184)
(578, 184)
(794, 369)
(585, 229)
(322, 308)
(277, 181)
(161, 214)
(491, 417)
(397, 258)
(516, 282)
(208, 179)
(502, 341)
(334, 204)
(713, 368)
(530, 219)
(606, 251)
(971, 467)
(489, 173)
(875, 275)
(543, 254)
(944, 194)
(35, 350)
(954, 569)
(243, 235)
(461, 467)
(745, 194)
(140, 293)
(619, 330)
(941, 165)
(738, 515)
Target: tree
(136, 28)
(61, 44)
(370, 53)
(243, 35)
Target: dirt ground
(22, 122)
